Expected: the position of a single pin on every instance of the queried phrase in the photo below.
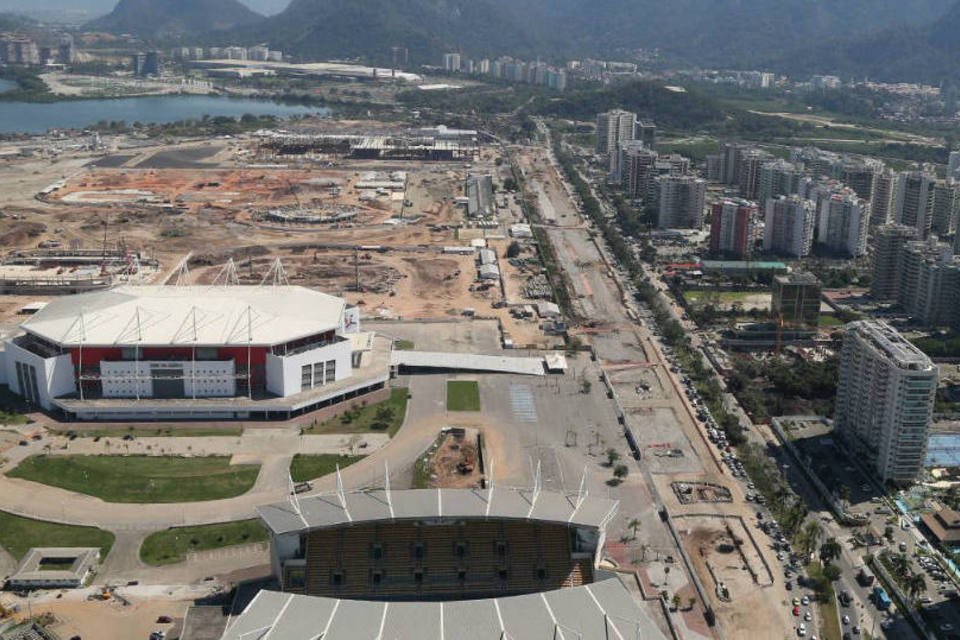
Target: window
(131, 353)
(462, 575)
(418, 551)
(376, 551)
(306, 377)
(418, 576)
(331, 371)
(461, 549)
(501, 549)
(207, 353)
(377, 577)
(336, 578)
(318, 374)
(502, 574)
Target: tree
(888, 533)
(676, 602)
(620, 472)
(810, 536)
(830, 550)
(900, 564)
(916, 584)
(634, 524)
(612, 456)
(690, 603)
(831, 572)
(514, 249)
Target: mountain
(705, 32)
(924, 53)
(174, 17)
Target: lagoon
(24, 117)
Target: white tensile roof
(195, 315)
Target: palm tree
(810, 536)
(830, 550)
(633, 525)
(900, 563)
(916, 584)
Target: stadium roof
(468, 362)
(604, 610)
(196, 315)
(315, 512)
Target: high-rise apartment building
(779, 178)
(913, 201)
(451, 62)
(882, 197)
(796, 299)
(885, 398)
(735, 228)
(946, 207)
(953, 165)
(788, 227)
(637, 170)
(859, 176)
(646, 132)
(681, 202)
(613, 129)
(888, 242)
(844, 221)
(929, 279)
(751, 162)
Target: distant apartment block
(788, 226)
(888, 243)
(885, 398)
(735, 229)
(614, 128)
(913, 201)
(844, 222)
(682, 201)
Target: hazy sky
(98, 7)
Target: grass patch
(728, 297)
(307, 467)
(18, 535)
(830, 321)
(463, 395)
(382, 417)
(827, 601)
(141, 479)
(11, 407)
(172, 545)
(162, 431)
(403, 345)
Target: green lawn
(308, 467)
(463, 395)
(830, 321)
(18, 535)
(142, 479)
(827, 603)
(382, 417)
(171, 545)
(403, 345)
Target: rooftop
(319, 511)
(31, 567)
(193, 316)
(599, 611)
(888, 343)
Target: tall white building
(451, 62)
(613, 129)
(885, 398)
(788, 228)
(844, 220)
(953, 166)
(681, 202)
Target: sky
(99, 7)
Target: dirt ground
(752, 606)
(111, 620)
(455, 464)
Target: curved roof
(329, 510)
(604, 610)
(188, 316)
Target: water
(7, 85)
(943, 450)
(19, 117)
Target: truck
(881, 598)
(865, 576)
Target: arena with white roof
(470, 564)
(151, 352)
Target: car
(846, 619)
(856, 630)
(946, 626)
(808, 616)
(802, 630)
(796, 601)
(796, 611)
(805, 601)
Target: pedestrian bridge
(467, 362)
